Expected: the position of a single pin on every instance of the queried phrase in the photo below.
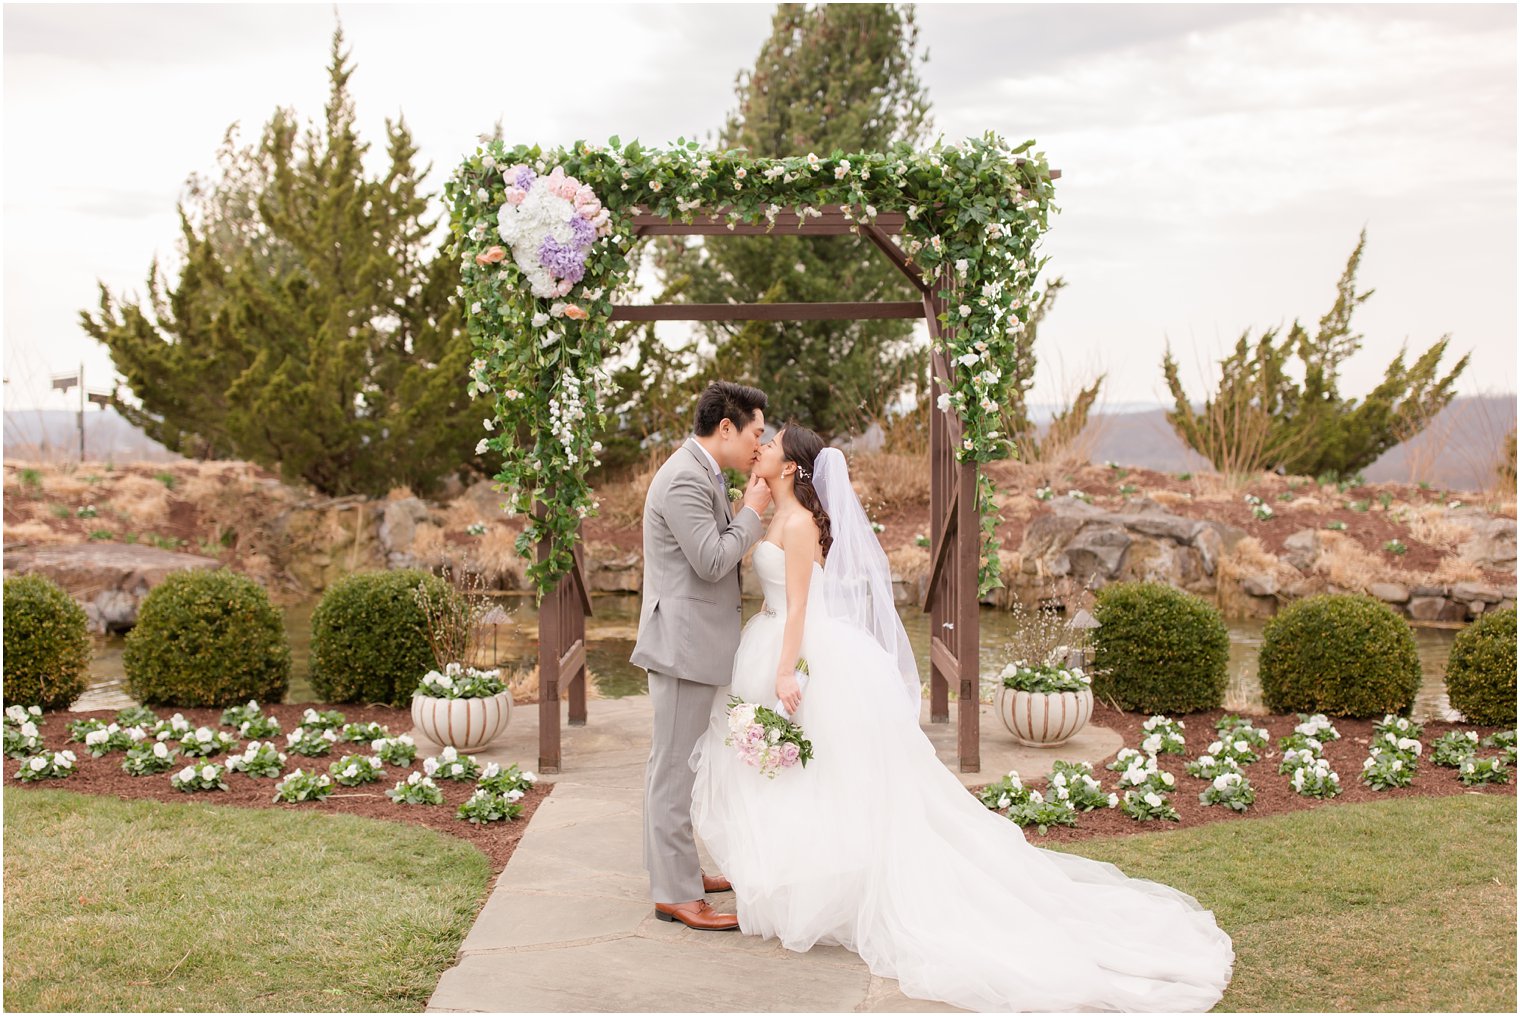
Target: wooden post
(551, 621)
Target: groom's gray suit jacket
(693, 542)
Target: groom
(689, 629)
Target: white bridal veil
(857, 582)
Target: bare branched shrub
(454, 617)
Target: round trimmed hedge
(207, 638)
(1480, 673)
(47, 644)
(1159, 649)
(369, 637)
(1339, 654)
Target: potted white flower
(461, 707)
(1044, 706)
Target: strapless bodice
(770, 568)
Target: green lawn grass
(1404, 905)
(117, 905)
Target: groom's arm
(713, 552)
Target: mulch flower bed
(104, 776)
(1274, 796)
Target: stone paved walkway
(568, 926)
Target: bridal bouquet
(765, 739)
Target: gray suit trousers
(682, 710)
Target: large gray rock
(1097, 551)
(1389, 592)
(1301, 549)
(1470, 591)
(1492, 544)
(1436, 608)
(398, 528)
(110, 580)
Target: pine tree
(831, 77)
(313, 331)
(1261, 418)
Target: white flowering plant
(1315, 779)
(1453, 748)
(1025, 806)
(1163, 736)
(457, 682)
(150, 758)
(310, 742)
(354, 770)
(1207, 767)
(1125, 758)
(1384, 770)
(1399, 726)
(1232, 790)
(1407, 748)
(484, 806)
(395, 751)
(47, 765)
(1483, 770)
(1044, 679)
(450, 765)
(203, 741)
(416, 789)
(1297, 758)
(1498, 739)
(80, 729)
(260, 725)
(1148, 806)
(194, 778)
(112, 737)
(136, 716)
(1317, 726)
(258, 758)
(15, 715)
(354, 732)
(236, 716)
(22, 740)
(1237, 748)
(1074, 783)
(1145, 776)
(171, 729)
(327, 719)
(301, 786)
(506, 781)
(1301, 743)
(544, 237)
(1238, 728)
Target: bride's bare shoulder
(799, 534)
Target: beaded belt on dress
(767, 611)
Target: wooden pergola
(951, 598)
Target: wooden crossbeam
(574, 658)
(881, 239)
(942, 545)
(943, 658)
(832, 220)
(769, 311)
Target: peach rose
(493, 256)
(575, 313)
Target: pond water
(610, 633)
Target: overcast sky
(1218, 161)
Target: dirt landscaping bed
(104, 776)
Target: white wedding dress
(876, 846)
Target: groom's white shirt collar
(708, 455)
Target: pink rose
(789, 754)
(516, 195)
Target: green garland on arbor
(979, 207)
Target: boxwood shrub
(1480, 673)
(369, 637)
(1339, 654)
(207, 638)
(1159, 649)
(47, 644)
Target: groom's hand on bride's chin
(757, 495)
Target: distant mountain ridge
(1458, 451)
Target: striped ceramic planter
(1044, 719)
(466, 724)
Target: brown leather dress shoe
(716, 884)
(697, 915)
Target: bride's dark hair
(801, 446)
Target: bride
(875, 845)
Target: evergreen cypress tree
(831, 77)
(312, 332)
(1262, 418)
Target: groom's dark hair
(724, 400)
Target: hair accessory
(802, 472)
